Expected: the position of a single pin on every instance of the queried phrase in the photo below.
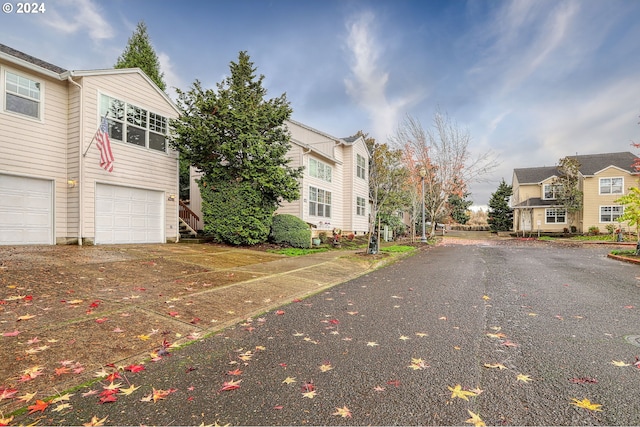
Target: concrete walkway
(66, 312)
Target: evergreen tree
(139, 53)
(459, 207)
(239, 141)
(500, 214)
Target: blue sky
(531, 80)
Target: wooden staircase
(188, 222)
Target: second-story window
(133, 124)
(22, 95)
(361, 166)
(611, 185)
(550, 191)
(317, 169)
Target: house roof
(51, 70)
(590, 164)
(22, 57)
(535, 202)
(535, 175)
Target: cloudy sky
(531, 80)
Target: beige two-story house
(334, 187)
(52, 187)
(603, 178)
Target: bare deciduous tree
(443, 154)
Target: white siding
(22, 140)
(133, 166)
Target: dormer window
(550, 191)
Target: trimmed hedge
(290, 230)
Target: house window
(555, 216)
(361, 206)
(610, 213)
(611, 185)
(319, 202)
(22, 95)
(361, 167)
(134, 125)
(320, 170)
(550, 191)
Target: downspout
(302, 184)
(80, 163)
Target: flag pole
(94, 135)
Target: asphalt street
(502, 334)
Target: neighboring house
(334, 188)
(603, 178)
(52, 188)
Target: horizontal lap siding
(295, 207)
(356, 187)
(37, 148)
(133, 166)
(593, 200)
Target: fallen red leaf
(108, 399)
(40, 405)
(230, 385)
(101, 320)
(113, 376)
(134, 368)
(11, 334)
(280, 312)
(235, 372)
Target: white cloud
(72, 16)
(368, 82)
(171, 77)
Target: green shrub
(594, 231)
(235, 213)
(290, 230)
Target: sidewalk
(67, 312)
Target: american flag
(104, 145)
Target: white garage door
(26, 211)
(128, 215)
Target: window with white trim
(611, 213)
(317, 169)
(555, 216)
(134, 125)
(361, 206)
(319, 202)
(550, 191)
(361, 166)
(22, 95)
(611, 185)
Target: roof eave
(31, 66)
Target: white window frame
(138, 118)
(361, 206)
(554, 211)
(319, 202)
(553, 189)
(361, 169)
(40, 100)
(320, 170)
(613, 215)
(610, 186)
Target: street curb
(623, 259)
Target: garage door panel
(26, 210)
(129, 215)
